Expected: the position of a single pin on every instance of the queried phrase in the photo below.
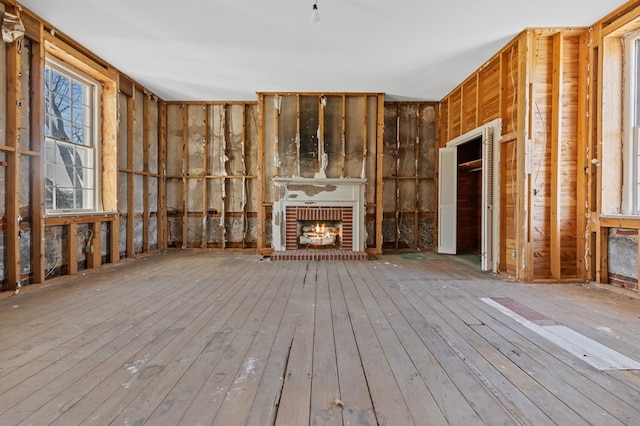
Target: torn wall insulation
(123, 128)
(12, 27)
(174, 141)
(355, 136)
(104, 242)
(309, 155)
(138, 134)
(138, 225)
(153, 195)
(623, 254)
(53, 258)
(269, 150)
(333, 135)
(196, 140)
(372, 148)
(288, 136)
(235, 140)
(122, 245)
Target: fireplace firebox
(319, 234)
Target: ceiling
(229, 50)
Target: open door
(447, 200)
(486, 249)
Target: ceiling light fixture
(315, 16)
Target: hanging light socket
(315, 16)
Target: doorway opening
(469, 201)
(468, 196)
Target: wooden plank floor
(233, 339)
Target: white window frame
(631, 125)
(94, 134)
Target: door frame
(491, 221)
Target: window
(70, 139)
(631, 125)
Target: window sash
(70, 140)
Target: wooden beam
(602, 275)
(365, 136)
(243, 153)
(109, 147)
(321, 152)
(416, 216)
(396, 208)
(146, 132)
(13, 125)
(93, 247)
(298, 134)
(131, 213)
(521, 81)
(185, 172)
(205, 182)
(162, 181)
(344, 135)
(79, 60)
(379, 180)
(583, 236)
(555, 205)
(223, 168)
(276, 132)
(36, 111)
(72, 249)
(260, 202)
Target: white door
(447, 200)
(487, 200)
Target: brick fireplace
(315, 202)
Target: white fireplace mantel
(323, 192)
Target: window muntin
(70, 139)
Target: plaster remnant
(311, 190)
(276, 159)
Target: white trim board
(595, 354)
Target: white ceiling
(229, 50)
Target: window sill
(65, 218)
(619, 221)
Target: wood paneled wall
(534, 85)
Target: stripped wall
(211, 175)
(409, 190)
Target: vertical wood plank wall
(532, 85)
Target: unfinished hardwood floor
(233, 339)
